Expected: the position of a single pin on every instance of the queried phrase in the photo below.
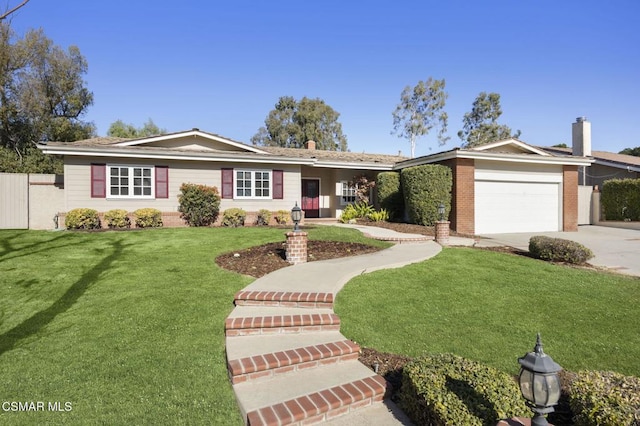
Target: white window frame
(252, 175)
(347, 193)
(130, 183)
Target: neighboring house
(606, 165)
(506, 186)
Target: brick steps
(288, 362)
(310, 396)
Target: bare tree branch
(9, 12)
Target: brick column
(442, 232)
(296, 251)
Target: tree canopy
(42, 95)
(421, 108)
(631, 151)
(121, 129)
(480, 126)
(292, 123)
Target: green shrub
(234, 217)
(117, 218)
(264, 217)
(148, 218)
(359, 210)
(282, 217)
(424, 188)
(558, 250)
(446, 389)
(82, 219)
(379, 216)
(199, 204)
(621, 199)
(605, 398)
(390, 195)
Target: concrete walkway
(288, 361)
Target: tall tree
(631, 151)
(292, 123)
(121, 129)
(42, 94)
(8, 11)
(421, 108)
(480, 126)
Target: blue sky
(221, 66)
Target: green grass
(488, 307)
(127, 326)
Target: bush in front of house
(621, 199)
(558, 250)
(264, 217)
(378, 216)
(234, 217)
(605, 398)
(82, 219)
(148, 218)
(282, 217)
(390, 194)
(117, 219)
(360, 210)
(199, 205)
(446, 389)
(424, 188)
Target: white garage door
(504, 207)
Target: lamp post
(441, 210)
(296, 217)
(442, 226)
(539, 383)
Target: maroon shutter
(227, 183)
(278, 185)
(162, 182)
(98, 180)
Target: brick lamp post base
(442, 232)
(296, 251)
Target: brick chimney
(311, 145)
(581, 137)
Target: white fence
(30, 200)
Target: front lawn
(488, 307)
(127, 327)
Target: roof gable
(510, 146)
(191, 140)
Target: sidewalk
(286, 357)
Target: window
(252, 184)
(130, 182)
(348, 194)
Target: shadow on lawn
(33, 325)
(8, 251)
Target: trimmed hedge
(234, 217)
(390, 195)
(199, 204)
(605, 398)
(148, 218)
(82, 219)
(264, 217)
(282, 217)
(621, 199)
(424, 188)
(558, 250)
(446, 389)
(117, 219)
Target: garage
(514, 198)
(504, 207)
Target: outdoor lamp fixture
(296, 217)
(441, 209)
(539, 383)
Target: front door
(311, 197)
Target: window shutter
(227, 183)
(162, 182)
(278, 184)
(98, 181)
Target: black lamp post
(539, 383)
(296, 217)
(441, 210)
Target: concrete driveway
(614, 248)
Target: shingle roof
(622, 159)
(319, 154)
